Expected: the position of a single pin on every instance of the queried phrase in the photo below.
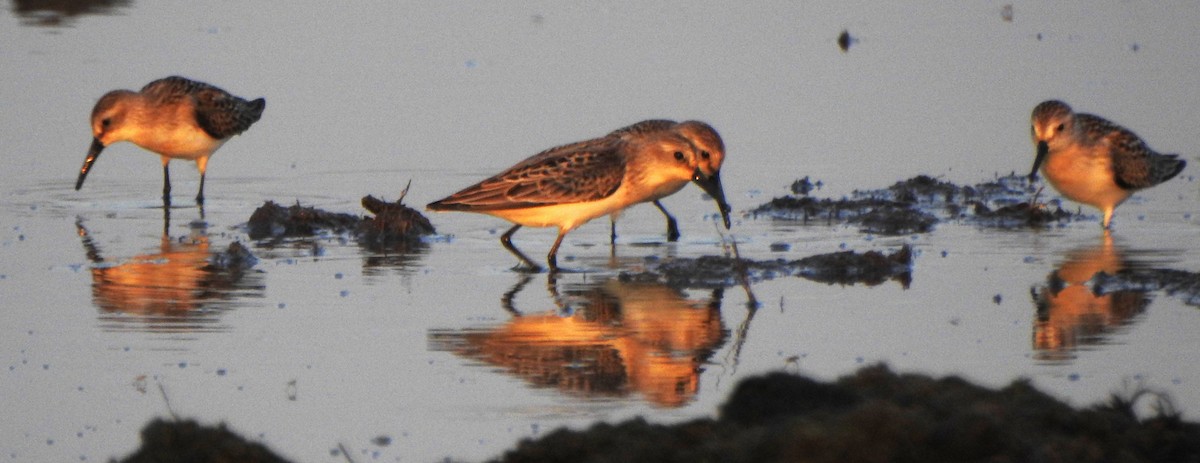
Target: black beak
(1042, 149)
(712, 186)
(93, 153)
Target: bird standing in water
(175, 117)
(1093, 161)
(569, 185)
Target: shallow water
(108, 321)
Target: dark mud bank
(918, 204)
(872, 415)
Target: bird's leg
(202, 166)
(672, 227)
(200, 195)
(506, 240)
(166, 183)
(552, 258)
(613, 237)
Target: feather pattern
(1135, 165)
(572, 173)
(220, 114)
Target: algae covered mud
(909, 243)
(872, 415)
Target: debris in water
(393, 223)
(844, 40)
(274, 221)
(917, 204)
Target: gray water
(109, 322)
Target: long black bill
(93, 153)
(1042, 149)
(712, 186)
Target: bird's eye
(1060, 127)
(679, 155)
(704, 154)
(106, 122)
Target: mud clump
(226, 269)
(846, 268)
(916, 205)
(878, 415)
(187, 441)
(274, 221)
(892, 219)
(1021, 215)
(235, 259)
(875, 215)
(392, 223)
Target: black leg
(672, 227)
(613, 237)
(166, 185)
(506, 240)
(552, 258)
(200, 195)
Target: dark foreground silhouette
(874, 415)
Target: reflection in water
(1071, 314)
(399, 258)
(179, 287)
(54, 13)
(613, 338)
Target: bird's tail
(1166, 167)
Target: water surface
(112, 313)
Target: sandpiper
(1093, 161)
(569, 185)
(710, 153)
(175, 117)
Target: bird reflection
(605, 339)
(178, 286)
(1070, 314)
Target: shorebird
(175, 117)
(710, 154)
(1093, 161)
(569, 185)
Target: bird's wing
(577, 172)
(219, 113)
(1135, 165)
